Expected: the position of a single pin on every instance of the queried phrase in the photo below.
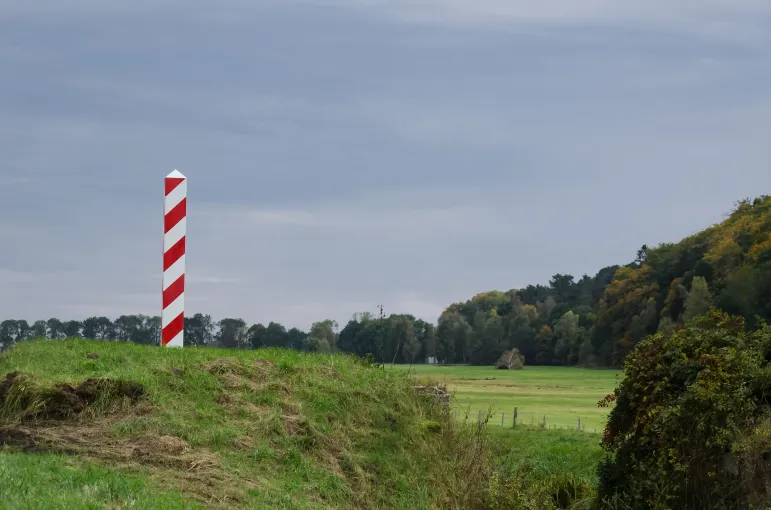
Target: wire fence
(515, 418)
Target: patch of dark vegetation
(690, 427)
(392, 423)
(19, 439)
(24, 398)
(93, 389)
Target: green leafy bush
(681, 432)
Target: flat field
(562, 394)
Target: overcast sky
(347, 153)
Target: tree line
(599, 320)
(396, 338)
(591, 321)
(552, 325)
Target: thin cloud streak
(737, 21)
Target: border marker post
(174, 232)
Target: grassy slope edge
(118, 425)
(253, 428)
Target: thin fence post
(544, 420)
(579, 424)
(515, 416)
(503, 413)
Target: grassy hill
(85, 424)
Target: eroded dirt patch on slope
(77, 419)
(23, 398)
(170, 460)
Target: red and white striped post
(175, 224)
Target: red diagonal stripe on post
(174, 291)
(172, 183)
(174, 221)
(173, 254)
(173, 328)
(175, 216)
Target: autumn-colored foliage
(727, 265)
(689, 398)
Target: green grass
(269, 428)
(543, 466)
(31, 481)
(280, 431)
(562, 394)
(541, 453)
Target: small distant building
(432, 360)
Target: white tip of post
(176, 175)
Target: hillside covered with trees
(598, 320)
(591, 320)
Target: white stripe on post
(174, 231)
(174, 272)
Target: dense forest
(591, 321)
(598, 320)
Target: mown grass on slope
(267, 428)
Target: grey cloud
(714, 17)
(338, 159)
(742, 21)
(211, 280)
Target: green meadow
(561, 394)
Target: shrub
(690, 398)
